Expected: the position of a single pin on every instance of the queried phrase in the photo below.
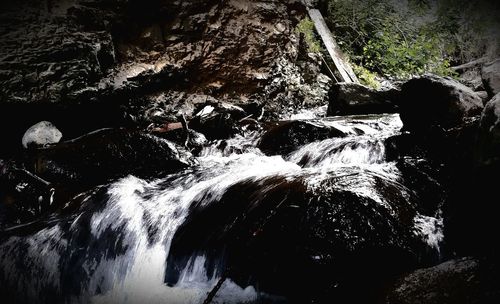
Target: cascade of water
(124, 255)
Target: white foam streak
(430, 229)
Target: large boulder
(286, 136)
(431, 102)
(41, 134)
(109, 153)
(311, 242)
(491, 77)
(353, 99)
(470, 161)
(460, 281)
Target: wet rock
(286, 136)
(309, 243)
(193, 140)
(23, 196)
(41, 134)
(430, 103)
(109, 153)
(218, 120)
(491, 77)
(465, 280)
(403, 145)
(425, 180)
(353, 99)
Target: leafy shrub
(365, 76)
(306, 27)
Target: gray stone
(491, 77)
(41, 134)
(484, 96)
(353, 99)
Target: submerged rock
(354, 99)
(41, 134)
(109, 153)
(430, 102)
(308, 242)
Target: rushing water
(115, 250)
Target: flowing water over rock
(170, 240)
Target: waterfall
(115, 249)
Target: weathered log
(344, 69)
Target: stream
(156, 241)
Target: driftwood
(216, 288)
(469, 65)
(184, 124)
(168, 127)
(338, 58)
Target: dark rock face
(431, 102)
(308, 243)
(354, 99)
(50, 62)
(465, 280)
(284, 137)
(463, 151)
(124, 63)
(476, 181)
(110, 153)
(491, 77)
(47, 54)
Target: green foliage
(306, 27)
(399, 39)
(365, 76)
(391, 52)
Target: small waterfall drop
(115, 250)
